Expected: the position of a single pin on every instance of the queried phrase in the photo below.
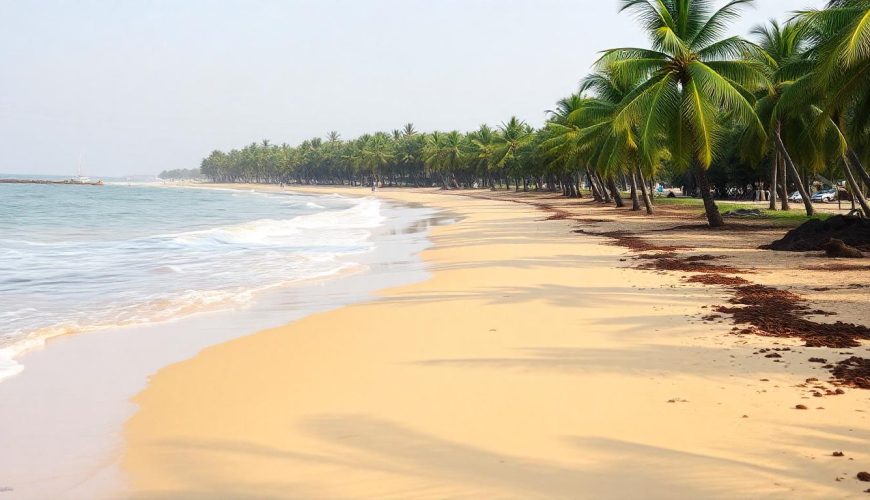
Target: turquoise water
(77, 258)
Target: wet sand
(62, 417)
(534, 363)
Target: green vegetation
(785, 216)
(181, 174)
(717, 115)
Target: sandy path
(532, 364)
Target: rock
(773, 355)
(818, 360)
(837, 249)
(800, 407)
(838, 454)
(864, 476)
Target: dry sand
(534, 363)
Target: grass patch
(794, 216)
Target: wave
(270, 232)
(75, 287)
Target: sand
(533, 363)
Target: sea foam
(98, 278)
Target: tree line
(181, 174)
(718, 115)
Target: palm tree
(511, 137)
(614, 149)
(840, 80)
(376, 153)
(443, 153)
(481, 152)
(566, 144)
(408, 130)
(781, 50)
(692, 78)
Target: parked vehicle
(826, 196)
(796, 196)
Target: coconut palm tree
(840, 80)
(444, 153)
(614, 149)
(481, 151)
(692, 79)
(564, 143)
(782, 49)
(375, 154)
(408, 130)
(512, 136)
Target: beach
(74, 369)
(535, 361)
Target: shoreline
(518, 369)
(62, 435)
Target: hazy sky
(135, 87)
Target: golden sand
(533, 363)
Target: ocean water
(79, 258)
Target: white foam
(8, 366)
(119, 283)
(363, 215)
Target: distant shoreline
(68, 182)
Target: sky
(126, 87)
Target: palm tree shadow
(642, 360)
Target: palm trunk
(774, 168)
(635, 202)
(596, 194)
(614, 191)
(856, 190)
(604, 191)
(783, 182)
(805, 196)
(856, 162)
(444, 184)
(646, 199)
(714, 218)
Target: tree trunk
(856, 189)
(444, 184)
(647, 202)
(596, 194)
(805, 196)
(783, 182)
(774, 168)
(608, 196)
(635, 202)
(614, 192)
(714, 218)
(856, 163)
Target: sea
(74, 259)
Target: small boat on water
(80, 179)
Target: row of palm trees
(698, 107)
(405, 157)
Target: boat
(81, 179)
